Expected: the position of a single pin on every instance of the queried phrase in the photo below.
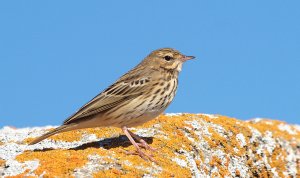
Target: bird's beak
(185, 58)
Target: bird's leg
(142, 143)
(138, 149)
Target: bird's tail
(59, 129)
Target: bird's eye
(168, 58)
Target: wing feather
(123, 90)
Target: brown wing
(126, 88)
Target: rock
(189, 145)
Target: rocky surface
(189, 145)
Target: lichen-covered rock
(189, 145)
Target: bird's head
(167, 58)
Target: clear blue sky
(56, 55)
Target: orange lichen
(198, 163)
(277, 159)
(55, 162)
(68, 160)
(237, 173)
(174, 138)
(217, 162)
(273, 125)
(28, 140)
(2, 162)
(227, 161)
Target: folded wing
(123, 90)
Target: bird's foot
(142, 154)
(145, 145)
(141, 143)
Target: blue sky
(56, 55)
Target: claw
(147, 147)
(142, 154)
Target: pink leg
(142, 143)
(138, 149)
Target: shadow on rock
(107, 143)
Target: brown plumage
(137, 97)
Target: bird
(140, 95)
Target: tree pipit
(135, 98)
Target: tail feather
(59, 129)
